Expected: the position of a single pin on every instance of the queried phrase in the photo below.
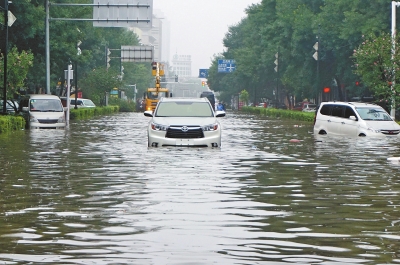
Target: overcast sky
(197, 28)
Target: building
(182, 65)
(152, 37)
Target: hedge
(86, 113)
(281, 113)
(9, 123)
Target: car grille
(390, 132)
(48, 121)
(184, 132)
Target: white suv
(354, 119)
(184, 122)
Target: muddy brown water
(273, 194)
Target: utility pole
(394, 6)
(317, 48)
(277, 77)
(5, 56)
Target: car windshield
(88, 102)
(373, 113)
(184, 109)
(46, 105)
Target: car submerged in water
(354, 119)
(190, 122)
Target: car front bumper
(158, 139)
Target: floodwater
(273, 194)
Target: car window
(88, 102)
(338, 110)
(349, 112)
(184, 109)
(373, 113)
(326, 109)
(46, 105)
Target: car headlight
(33, 119)
(61, 119)
(374, 130)
(158, 127)
(210, 127)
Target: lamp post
(5, 56)
(394, 5)
(76, 74)
(316, 56)
(134, 92)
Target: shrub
(288, 114)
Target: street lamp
(394, 5)
(5, 56)
(76, 74)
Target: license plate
(184, 142)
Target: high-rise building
(152, 37)
(182, 65)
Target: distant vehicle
(190, 122)
(42, 111)
(10, 104)
(210, 96)
(354, 119)
(82, 103)
(262, 105)
(309, 108)
(300, 105)
(154, 94)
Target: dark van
(210, 96)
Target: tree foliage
(292, 28)
(377, 63)
(18, 65)
(28, 34)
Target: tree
(244, 96)
(18, 65)
(376, 67)
(98, 82)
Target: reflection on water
(273, 194)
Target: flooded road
(273, 194)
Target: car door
(350, 126)
(335, 121)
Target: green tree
(18, 65)
(375, 64)
(244, 96)
(99, 82)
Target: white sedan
(184, 122)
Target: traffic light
(108, 58)
(203, 83)
(327, 89)
(357, 83)
(176, 78)
(154, 68)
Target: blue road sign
(203, 73)
(226, 65)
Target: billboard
(123, 13)
(137, 53)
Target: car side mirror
(220, 113)
(148, 113)
(354, 118)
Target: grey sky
(198, 27)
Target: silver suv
(354, 119)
